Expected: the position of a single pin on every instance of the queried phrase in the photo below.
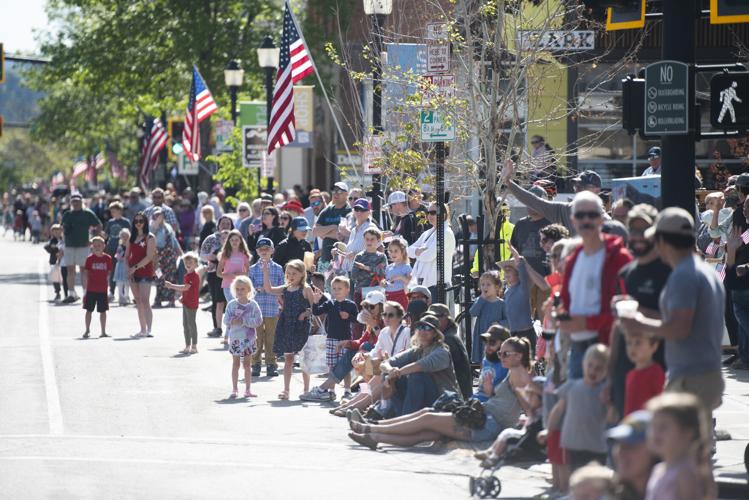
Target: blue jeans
(740, 300)
(412, 393)
(343, 366)
(575, 360)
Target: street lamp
(233, 76)
(377, 10)
(267, 56)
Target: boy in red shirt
(96, 276)
(190, 296)
(647, 378)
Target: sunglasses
(359, 209)
(391, 315)
(432, 212)
(285, 218)
(267, 213)
(353, 198)
(338, 191)
(244, 210)
(507, 354)
(369, 307)
(425, 327)
(589, 215)
(139, 221)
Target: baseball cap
(294, 206)
(264, 242)
(643, 211)
(374, 297)
(422, 290)
(672, 220)
(495, 332)
(341, 185)
(397, 197)
(538, 191)
(654, 152)
(612, 226)
(439, 310)
(742, 180)
(361, 204)
(76, 196)
(430, 320)
(299, 224)
(588, 178)
(266, 197)
(633, 429)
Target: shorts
(214, 286)
(554, 449)
(489, 432)
(243, 347)
(707, 387)
(581, 458)
(227, 293)
(331, 356)
(98, 300)
(75, 256)
(142, 279)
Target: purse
(471, 414)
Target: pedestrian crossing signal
(729, 101)
(628, 16)
(729, 11)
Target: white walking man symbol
(727, 97)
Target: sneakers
(86, 335)
(111, 297)
(57, 297)
(103, 335)
(216, 332)
(69, 299)
(318, 395)
(256, 370)
(739, 365)
(270, 371)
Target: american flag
(94, 165)
(712, 248)
(721, 270)
(153, 143)
(199, 107)
(293, 65)
(79, 168)
(745, 236)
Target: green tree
(23, 160)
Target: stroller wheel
(495, 487)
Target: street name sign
(666, 98)
(434, 127)
(556, 40)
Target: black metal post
(572, 76)
(377, 21)
(268, 108)
(440, 154)
(233, 96)
(677, 176)
(164, 156)
(467, 264)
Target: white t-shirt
(585, 290)
(385, 342)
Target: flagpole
(324, 92)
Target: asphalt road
(122, 418)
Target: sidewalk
(733, 417)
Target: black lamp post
(377, 10)
(233, 76)
(267, 56)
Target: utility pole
(440, 156)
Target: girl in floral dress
(294, 322)
(241, 317)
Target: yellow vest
(505, 233)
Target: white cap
(397, 197)
(374, 297)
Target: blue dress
(291, 334)
(120, 269)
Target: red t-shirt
(641, 385)
(98, 268)
(191, 296)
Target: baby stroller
(525, 449)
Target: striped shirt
(268, 303)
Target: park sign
(556, 40)
(666, 98)
(729, 101)
(435, 127)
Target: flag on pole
(78, 169)
(199, 107)
(721, 270)
(153, 142)
(58, 179)
(712, 248)
(745, 236)
(293, 65)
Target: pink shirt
(234, 265)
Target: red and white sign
(438, 86)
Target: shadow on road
(20, 279)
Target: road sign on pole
(254, 143)
(438, 58)
(437, 31)
(435, 128)
(438, 86)
(666, 98)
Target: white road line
(54, 410)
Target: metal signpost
(666, 98)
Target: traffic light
(627, 15)
(729, 11)
(175, 126)
(729, 101)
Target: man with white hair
(590, 281)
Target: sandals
(185, 351)
(193, 350)
(249, 394)
(233, 395)
(283, 395)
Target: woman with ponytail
(501, 411)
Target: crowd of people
(597, 339)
